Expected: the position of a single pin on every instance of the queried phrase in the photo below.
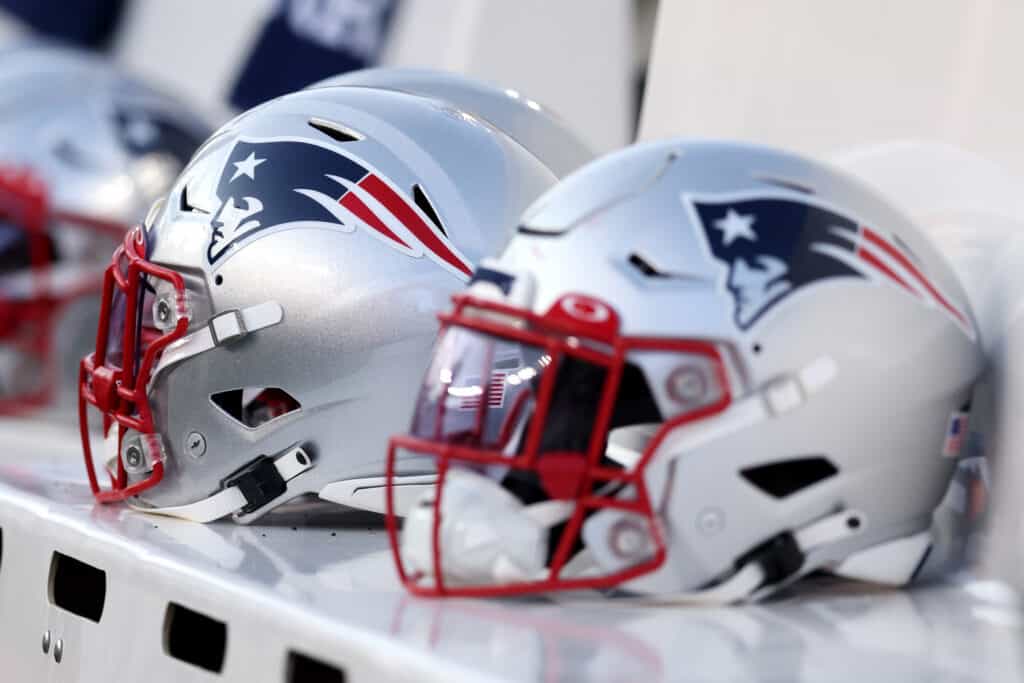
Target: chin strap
(259, 483)
(758, 573)
(768, 566)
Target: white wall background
(819, 77)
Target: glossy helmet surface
(280, 305)
(699, 371)
(84, 151)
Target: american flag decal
(495, 393)
(955, 434)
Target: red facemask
(531, 398)
(30, 301)
(134, 328)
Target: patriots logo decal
(270, 184)
(775, 246)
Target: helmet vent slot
(423, 202)
(785, 184)
(645, 266)
(305, 669)
(185, 206)
(336, 131)
(255, 406)
(781, 479)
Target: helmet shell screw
(163, 312)
(133, 456)
(195, 444)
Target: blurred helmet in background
(265, 331)
(532, 125)
(698, 372)
(84, 151)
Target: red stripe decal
(879, 265)
(877, 240)
(354, 204)
(403, 212)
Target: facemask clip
(139, 452)
(169, 308)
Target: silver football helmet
(84, 151)
(264, 333)
(698, 372)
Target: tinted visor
(134, 323)
(482, 391)
(479, 390)
(140, 319)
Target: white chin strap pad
(487, 535)
(231, 499)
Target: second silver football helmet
(698, 372)
(265, 331)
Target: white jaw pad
(228, 500)
(221, 329)
(487, 535)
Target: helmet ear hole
(781, 479)
(255, 406)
